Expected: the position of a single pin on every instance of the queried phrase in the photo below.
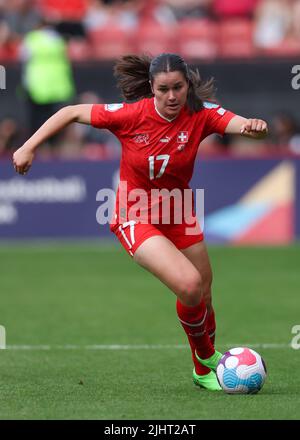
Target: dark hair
(134, 72)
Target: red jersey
(157, 153)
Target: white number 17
(165, 158)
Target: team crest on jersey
(113, 107)
(182, 137)
(142, 138)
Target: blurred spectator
(21, 17)
(84, 141)
(190, 8)
(230, 145)
(98, 143)
(65, 16)
(47, 74)
(215, 145)
(285, 133)
(243, 146)
(10, 137)
(97, 15)
(231, 9)
(4, 32)
(296, 20)
(4, 29)
(157, 12)
(273, 20)
(102, 14)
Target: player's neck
(161, 115)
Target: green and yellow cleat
(207, 381)
(211, 362)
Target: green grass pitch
(66, 307)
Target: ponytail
(199, 91)
(132, 74)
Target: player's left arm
(252, 128)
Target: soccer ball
(241, 371)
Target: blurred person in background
(65, 16)
(82, 141)
(190, 8)
(96, 16)
(101, 14)
(21, 16)
(285, 133)
(47, 74)
(273, 19)
(168, 110)
(10, 136)
(156, 12)
(248, 147)
(4, 29)
(99, 144)
(224, 9)
(295, 27)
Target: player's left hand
(256, 128)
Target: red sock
(194, 322)
(211, 326)
(211, 329)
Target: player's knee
(207, 299)
(191, 289)
(207, 283)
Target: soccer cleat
(207, 381)
(211, 362)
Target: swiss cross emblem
(183, 137)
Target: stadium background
(251, 198)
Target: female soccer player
(167, 112)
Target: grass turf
(84, 295)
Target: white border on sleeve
(113, 107)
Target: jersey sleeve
(114, 117)
(217, 118)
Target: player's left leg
(190, 243)
(198, 255)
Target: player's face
(170, 90)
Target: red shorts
(132, 234)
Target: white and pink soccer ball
(241, 371)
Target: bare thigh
(161, 257)
(197, 254)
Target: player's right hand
(22, 160)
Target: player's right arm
(23, 157)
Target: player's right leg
(153, 251)
(161, 257)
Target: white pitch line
(137, 347)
